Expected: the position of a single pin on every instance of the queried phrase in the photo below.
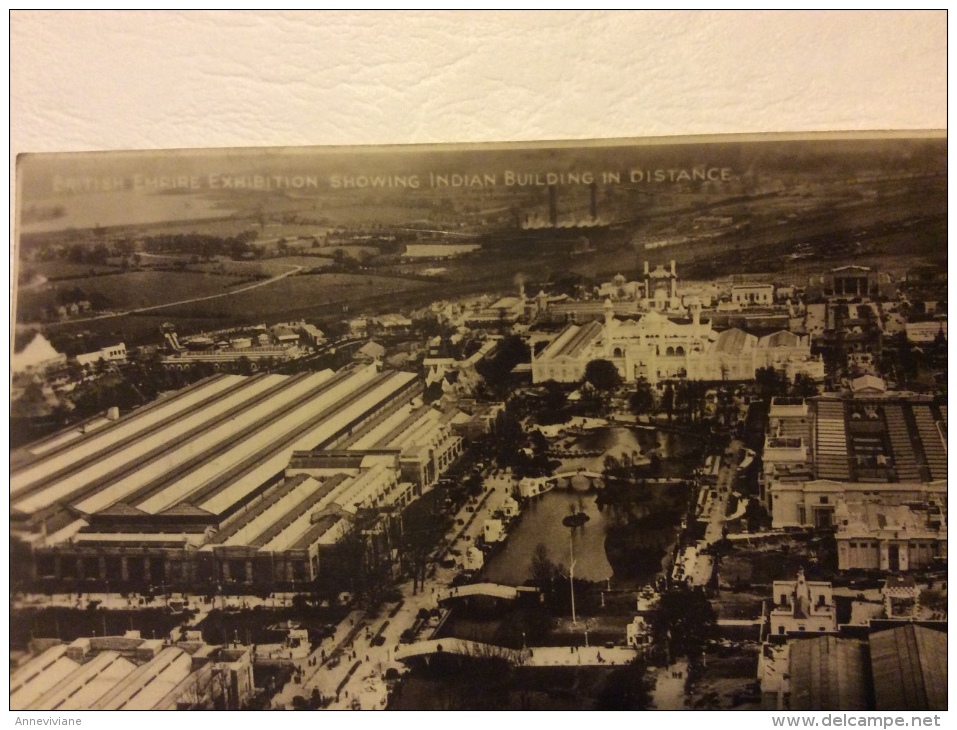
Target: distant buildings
(229, 350)
(458, 377)
(850, 282)
(370, 352)
(111, 354)
(747, 295)
(656, 348)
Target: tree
(603, 375)
(684, 621)
(497, 370)
(668, 400)
(643, 399)
(553, 405)
(770, 383)
(725, 404)
(542, 569)
(693, 393)
(804, 386)
(627, 688)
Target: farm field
(59, 269)
(137, 289)
(275, 231)
(265, 267)
(296, 293)
(353, 251)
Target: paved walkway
(691, 565)
(493, 590)
(669, 693)
(357, 680)
(554, 656)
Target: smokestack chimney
(672, 267)
(646, 268)
(552, 206)
(594, 201)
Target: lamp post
(573, 521)
(571, 574)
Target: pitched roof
(184, 509)
(371, 349)
(868, 382)
(909, 666)
(781, 338)
(734, 342)
(121, 509)
(827, 673)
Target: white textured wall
(107, 80)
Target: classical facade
(657, 348)
(901, 537)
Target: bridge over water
(539, 656)
(531, 486)
(491, 590)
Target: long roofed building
(198, 487)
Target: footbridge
(490, 590)
(459, 647)
(539, 656)
(582, 480)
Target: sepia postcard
(651, 424)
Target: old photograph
(645, 424)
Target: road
(691, 566)
(357, 679)
(669, 692)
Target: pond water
(617, 441)
(541, 522)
